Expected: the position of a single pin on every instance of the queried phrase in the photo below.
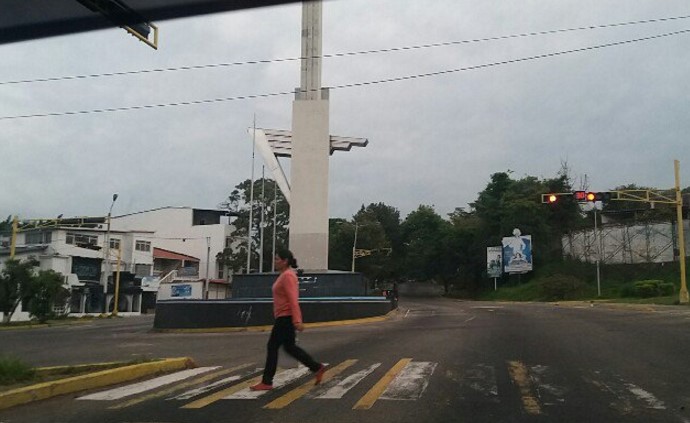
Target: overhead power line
(344, 54)
(356, 84)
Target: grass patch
(651, 283)
(13, 370)
(52, 322)
(16, 374)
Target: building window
(80, 239)
(142, 246)
(142, 270)
(114, 243)
(39, 237)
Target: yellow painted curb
(267, 328)
(90, 381)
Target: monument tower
(309, 146)
(310, 150)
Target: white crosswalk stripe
(137, 388)
(339, 387)
(627, 394)
(481, 378)
(283, 378)
(411, 382)
(207, 388)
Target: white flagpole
(251, 204)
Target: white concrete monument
(309, 145)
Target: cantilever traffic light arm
(644, 196)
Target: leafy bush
(561, 287)
(647, 288)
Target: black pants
(283, 333)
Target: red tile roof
(172, 255)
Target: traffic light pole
(681, 236)
(643, 196)
(598, 242)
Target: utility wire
(345, 54)
(356, 84)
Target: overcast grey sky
(617, 114)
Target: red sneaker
(319, 374)
(261, 387)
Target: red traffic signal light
(580, 196)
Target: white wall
(173, 230)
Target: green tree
(6, 226)
(506, 204)
(340, 239)
(16, 279)
(46, 290)
(424, 234)
(467, 247)
(235, 256)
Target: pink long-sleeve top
(286, 297)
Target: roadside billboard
(517, 253)
(494, 262)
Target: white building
(199, 233)
(151, 243)
(78, 253)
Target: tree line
(424, 245)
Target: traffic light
(588, 196)
(551, 198)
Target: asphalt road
(456, 362)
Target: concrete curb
(649, 307)
(97, 379)
(267, 328)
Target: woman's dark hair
(286, 254)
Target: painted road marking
(482, 378)
(411, 382)
(651, 400)
(137, 388)
(203, 402)
(299, 392)
(368, 400)
(548, 393)
(628, 393)
(343, 386)
(180, 386)
(518, 372)
(206, 388)
(281, 379)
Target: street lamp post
(107, 257)
(208, 259)
(354, 247)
